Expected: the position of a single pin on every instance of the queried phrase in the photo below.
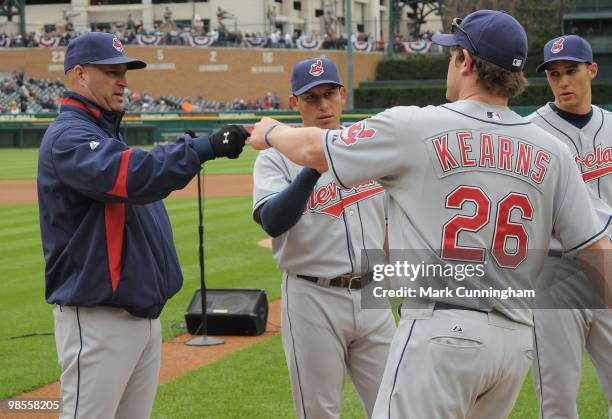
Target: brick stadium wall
(220, 74)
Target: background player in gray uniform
(463, 178)
(562, 335)
(318, 232)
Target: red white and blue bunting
(362, 46)
(148, 39)
(202, 41)
(306, 43)
(255, 41)
(48, 41)
(417, 47)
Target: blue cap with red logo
(98, 48)
(567, 48)
(490, 35)
(313, 72)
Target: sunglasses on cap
(456, 25)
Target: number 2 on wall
(503, 229)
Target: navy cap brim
(543, 66)
(445, 39)
(132, 64)
(309, 86)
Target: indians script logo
(117, 45)
(356, 132)
(597, 164)
(557, 46)
(328, 200)
(316, 68)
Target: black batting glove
(229, 141)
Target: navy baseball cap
(313, 72)
(98, 48)
(566, 47)
(490, 35)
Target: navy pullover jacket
(106, 235)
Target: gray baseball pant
(326, 334)
(454, 364)
(110, 362)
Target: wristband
(268, 131)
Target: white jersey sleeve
(270, 176)
(373, 146)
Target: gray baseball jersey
(325, 332)
(590, 146)
(467, 177)
(476, 183)
(319, 245)
(557, 368)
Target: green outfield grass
(21, 163)
(252, 383)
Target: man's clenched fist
(229, 141)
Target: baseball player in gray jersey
(463, 178)
(318, 232)
(562, 335)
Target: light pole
(389, 50)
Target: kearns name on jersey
(458, 151)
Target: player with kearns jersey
(469, 181)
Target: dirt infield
(24, 191)
(177, 359)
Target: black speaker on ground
(229, 312)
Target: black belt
(351, 281)
(447, 306)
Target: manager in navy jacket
(110, 259)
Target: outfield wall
(219, 74)
(25, 130)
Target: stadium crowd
(21, 94)
(215, 38)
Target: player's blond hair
(495, 79)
